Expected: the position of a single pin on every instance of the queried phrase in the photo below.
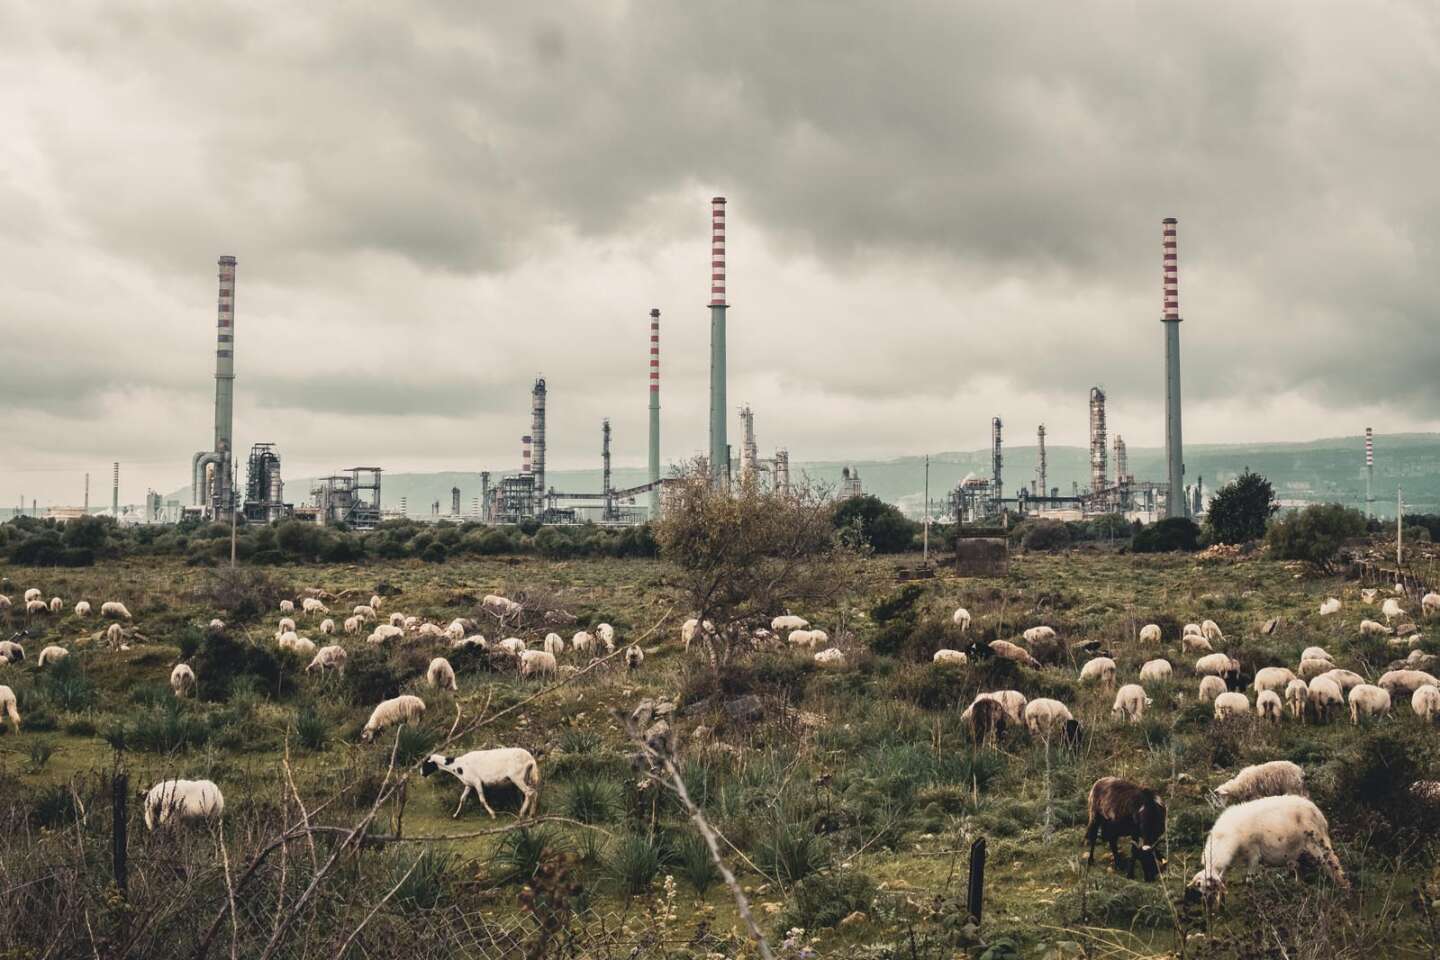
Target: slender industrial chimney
(1122, 461)
(455, 501)
(1098, 467)
(525, 442)
(997, 459)
(719, 446)
(654, 413)
(1369, 472)
(225, 379)
(1040, 462)
(749, 450)
(1174, 448)
(86, 508)
(607, 512)
(537, 432)
(115, 494)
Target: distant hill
(1317, 470)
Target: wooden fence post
(119, 800)
(976, 893)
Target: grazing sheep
(1297, 695)
(182, 680)
(985, 718)
(329, 658)
(364, 611)
(1038, 634)
(1043, 715)
(1391, 609)
(1231, 704)
(5, 604)
(286, 625)
(440, 674)
(1211, 631)
(961, 619)
(216, 625)
(1369, 628)
(433, 631)
(327, 626)
(1155, 671)
(1195, 643)
(472, 641)
(384, 632)
(1405, 681)
(1272, 678)
(1150, 633)
(1344, 679)
(1009, 651)
(8, 706)
(606, 635)
(1399, 589)
(1325, 698)
(1272, 832)
(952, 657)
(554, 644)
(1328, 606)
(1216, 664)
(287, 606)
(1268, 706)
(1430, 604)
(298, 645)
(313, 606)
(34, 607)
(1191, 628)
(376, 601)
(801, 638)
(1316, 653)
(1101, 669)
(1014, 703)
(1119, 808)
(1211, 687)
(33, 594)
(536, 661)
(831, 659)
(397, 619)
(1130, 703)
(182, 800)
(501, 607)
(56, 604)
(1369, 701)
(410, 624)
(1425, 701)
(51, 654)
(114, 634)
(353, 624)
(583, 642)
(455, 630)
(514, 645)
(818, 638)
(1369, 594)
(402, 709)
(11, 652)
(479, 767)
(1276, 778)
(789, 622)
(634, 656)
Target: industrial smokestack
(537, 432)
(1122, 461)
(115, 494)
(719, 445)
(1369, 472)
(749, 450)
(1098, 467)
(997, 459)
(525, 442)
(1040, 463)
(607, 512)
(1174, 448)
(655, 413)
(225, 378)
(455, 501)
(87, 493)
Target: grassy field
(848, 810)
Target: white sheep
(33, 594)
(327, 626)
(1297, 695)
(472, 641)
(182, 800)
(1277, 778)
(1328, 606)
(286, 625)
(363, 611)
(1325, 697)
(376, 601)
(1155, 671)
(1150, 633)
(501, 607)
(313, 606)
(114, 634)
(287, 606)
(1369, 594)
(1014, 703)
(1316, 653)
(410, 624)
(1391, 609)
(1211, 631)
(56, 604)
(1369, 701)
(1039, 634)
(1430, 604)
(182, 680)
(405, 708)
(455, 630)
(961, 619)
(1405, 681)
(1211, 687)
(788, 622)
(1216, 664)
(1268, 706)
(1130, 703)
(606, 634)
(353, 624)
(9, 707)
(216, 625)
(329, 658)
(830, 659)
(1231, 704)
(818, 638)
(1006, 650)
(1272, 678)
(384, 632)
(634, 656)
(1273, 832)
(801, 638)
(33, 607)
(51, 654)
(583, 642)
(11, 652)
(951, 657)
(1399, 589)
(441, 675)
(480, 767)
(1344, 679)
(397, 619)
(1425, 702)
(554, 644)
(301, 646)
(4, 603)
(433, 631)
(513, 645)
(1195, 643)
(1370, 628)
(1101, 669)
(1043, 715)
(536, 661)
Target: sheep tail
(532, 775)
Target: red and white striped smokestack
(717, 252)
(1369, 447)
(1172, 266)
(525, 442)
(655, 351)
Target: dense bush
(1241, 509)
(1315, 534)
(1045, 535)
(1172, 533)
(221, 662)
(876, 524)
(826, 899)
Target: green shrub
(311, 730)
(521, 852)
(66, 685)
(169, 728)
(221, 662)
(372, 675)
(1045, 535)
(413, 744)
(694, 864)
(428, 877)
(634, 863)
(1314, 534)
(826, 899)
(591, 798)
(790, 853)
(1164, 536)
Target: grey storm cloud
(940, 199)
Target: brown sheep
(1118, 809)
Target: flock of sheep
(1274, 823)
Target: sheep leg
(1092, 834)
(463, 794)
(525, 791)
(480, 795)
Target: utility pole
(927, 509)
(1399, 527)
(234, 477)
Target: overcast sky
(938, 212)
